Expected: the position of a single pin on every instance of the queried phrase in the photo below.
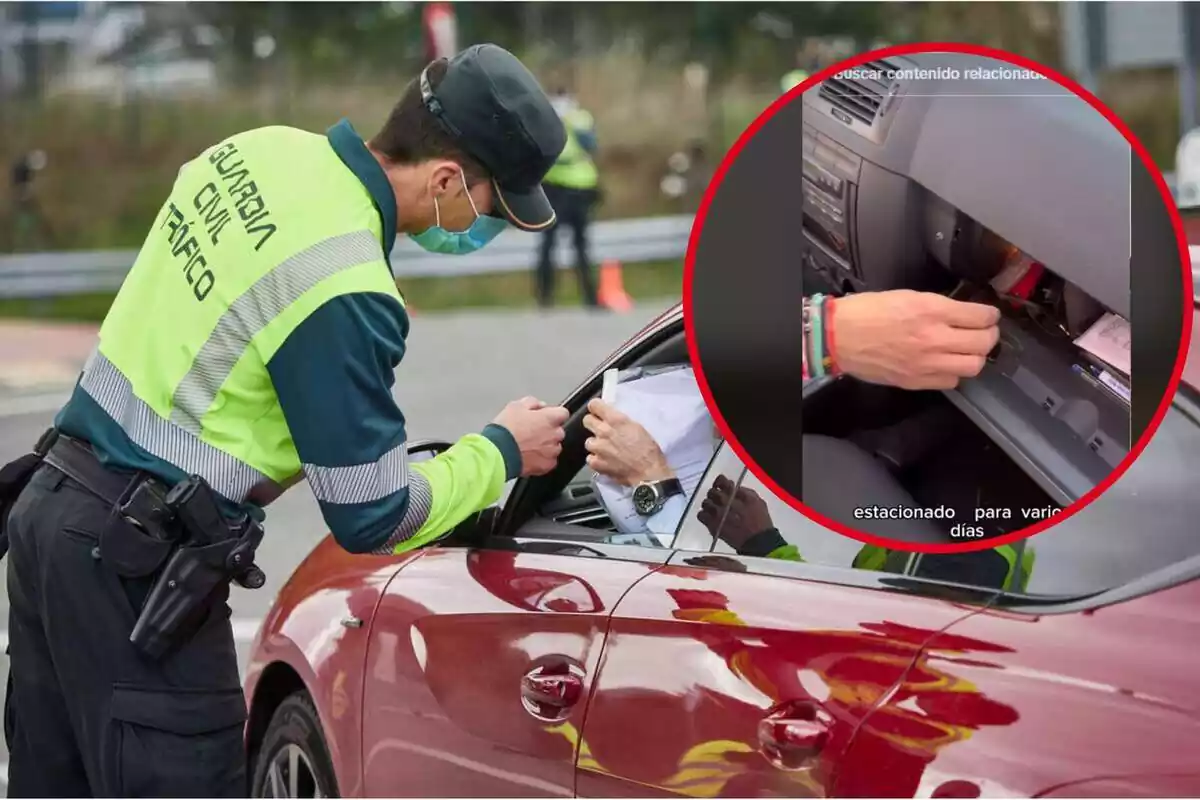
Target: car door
(1083, 685)
(479, 667)
(483, 651)
(732, 676)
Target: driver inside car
(621, 449)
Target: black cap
(497, 112)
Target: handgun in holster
(211, 551)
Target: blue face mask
(458, 243)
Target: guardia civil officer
(251, 346)
(573, 188)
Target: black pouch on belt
(15, 476)
(139, 535)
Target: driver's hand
(912, 340)
(621, 449)
(735, 515)
(538, 430)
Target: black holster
(180, 596)
(210, 553)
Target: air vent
(861, 90)
(588, 517)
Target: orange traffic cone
(611, 293)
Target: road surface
(459, 371)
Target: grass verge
(651, 281)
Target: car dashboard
(968, 177)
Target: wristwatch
(649, 497)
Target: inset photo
(910, 299)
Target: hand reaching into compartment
(912, 340)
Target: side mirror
(425, 449)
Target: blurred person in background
(253, 345)
(29, 225)
(699, 175)
(572, 185)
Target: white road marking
(244, 630)
(24, 405)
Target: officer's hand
(912, 340)
(538, 429)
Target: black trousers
(86, 714)
(573, 207)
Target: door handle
(559, 691)
(792, 737)
(549, 692)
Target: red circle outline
(794, 94)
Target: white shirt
(665, 521)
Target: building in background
(38, 38)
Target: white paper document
(671, 409)
(1110, 341)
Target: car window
(589, 511)
(760, 510)
(693, 533)
(582, 505)
(1144, 523)
(814, 542)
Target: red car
(536, 653)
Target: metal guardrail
(38, 275)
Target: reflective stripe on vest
(269, 297)
(113, 392)
(574, 168)
(242, 252)
(878, 559)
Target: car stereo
(836, 257)
(829, 175)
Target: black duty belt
(178, 536)
(139, 496)
(77, 461)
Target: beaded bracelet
(830, 349)
(816, 341)
(805, 338)
(818, 354)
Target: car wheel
(293, 760)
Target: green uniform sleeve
(789, 552)
(454, 485)
(770, 544)
(333, 377)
